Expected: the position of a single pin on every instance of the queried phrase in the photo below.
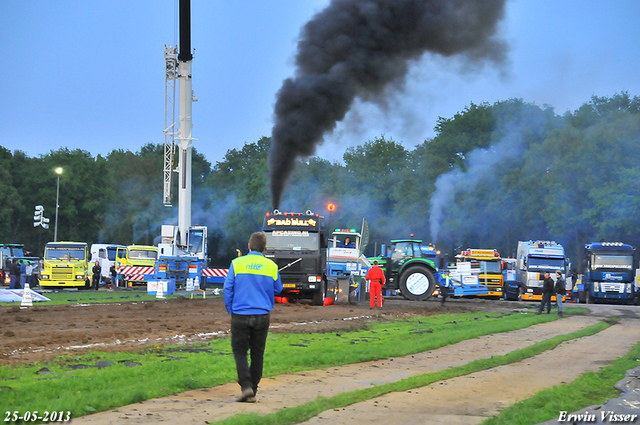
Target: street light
(55, 229)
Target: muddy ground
(464, 400)
(41, 332)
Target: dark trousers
(96, 281)
(546, 299)
(249, 333)
(444, 293)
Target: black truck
(297, 243)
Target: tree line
(492, 175)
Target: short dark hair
(375, 262)
(258, 241)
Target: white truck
(105, 255)
(533, 260)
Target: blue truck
(609, 272)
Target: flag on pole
(365, 234)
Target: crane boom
(171, 69)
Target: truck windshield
(490, 267)
(64, 253)
(292, 240)
(483, 266)
(196, 239)
(111, 253)
(535, 264)
(611, 262)
(142, 253)
(18, 252)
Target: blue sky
(88, 74)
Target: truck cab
(296, 242)
(609, 272)
(66, 264)
(487, 265)
(140, 258)
(345, 257)
(533, 260)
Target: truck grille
(62, 273)
(295, 268)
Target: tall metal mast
(171, 71)
(185, 126)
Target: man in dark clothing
(445, 287)
(560, 290)
(346, 244)
(547, 291)
(114, 276)
(97, 270)
(14, 273)
(249, 290)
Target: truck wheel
(417, 283)
(87, 284)
(319, 296)
(505, 293)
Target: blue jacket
(251, 285)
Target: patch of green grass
(163, 372)
(589, 389)
(309, 410)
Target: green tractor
(409, 267)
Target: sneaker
(247, 394)
(561, 314)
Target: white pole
(55, 230)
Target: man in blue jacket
(249, 291)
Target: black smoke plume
(356, 48)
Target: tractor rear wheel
(417, 283)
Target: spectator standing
(29, 274)
(23, 272)
(560, 291)
(548, 287)
(249, 290)
(97, 270)
(14, 275)
(114, 276)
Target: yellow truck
(487, 265)
(66, 264)
(135, 263)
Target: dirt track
(42, 332)
(466, 400)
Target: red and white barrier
(135, 273)
(215, 272)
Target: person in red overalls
(375, 276)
